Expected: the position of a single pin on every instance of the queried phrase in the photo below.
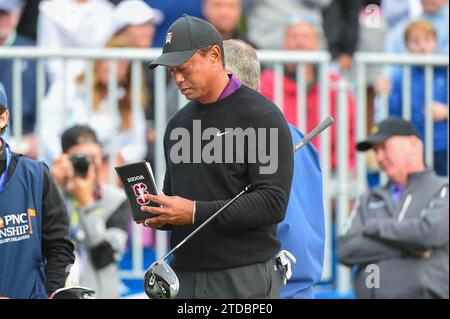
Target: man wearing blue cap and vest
(34, 248)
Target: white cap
(135, 12)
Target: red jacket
(313, 109)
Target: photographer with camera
(98, 213)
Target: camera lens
(80, 163)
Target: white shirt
(68, 105)
(69, 24)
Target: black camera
(80, 163)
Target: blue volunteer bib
(22, 266)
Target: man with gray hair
(397, 236)
(302, 231)
(241, 59)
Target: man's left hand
(175, 210)
(423, 254)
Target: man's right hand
(173, 210)
(82, 188)
(62, 170)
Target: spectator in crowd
(302, 232)
(98, 213)
(135, 21)
(172, 10)
(215, 263)
(435, 12)
(341, 27)
(301, 34)
(73, 24)
(421, 38)
(117, 128)
(266, 18)
(9, 17)
(35, 250)
(225, 15)
(398, 234)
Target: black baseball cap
(185, 37)
(392, 126)
(78, 134)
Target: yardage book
(137, 180)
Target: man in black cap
(98, 213)
(233, 257)
(398, 233)
(35, 251)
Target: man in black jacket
(233, 256)
(33, 219)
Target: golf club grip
(316, 131)
(205, 222)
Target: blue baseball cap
(9, 5)
(3, 99)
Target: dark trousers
(262, 281)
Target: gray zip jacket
(391, 240)
(100, 231)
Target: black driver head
(160, 281)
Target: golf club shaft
(205, 222)
(316, 131)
